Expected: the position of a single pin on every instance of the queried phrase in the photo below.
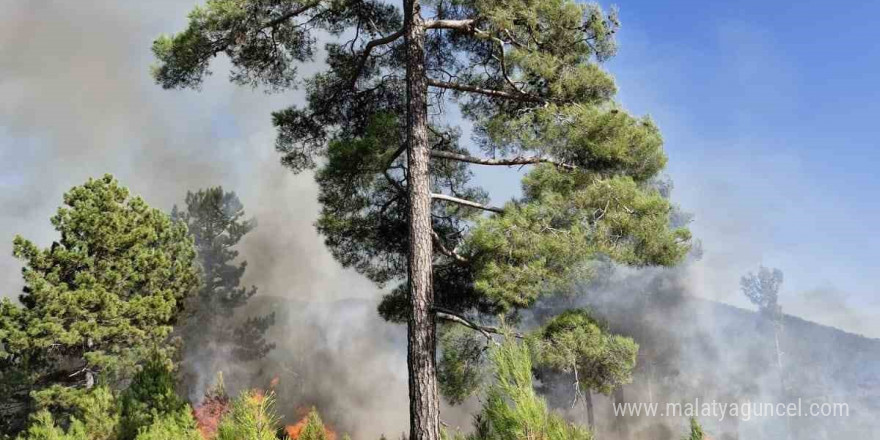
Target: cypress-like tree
(97, 303)
(394, 179)
(216, 220)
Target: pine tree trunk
(777, 323)
(621, 423)
(423, 396)
(591, 418)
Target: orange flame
(208, 415)
(295, 430)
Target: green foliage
(91, 415)
(696, 432)
(354, 218)
(314, 427)
(574, 342)
(511, 408)
(252, 417)
(150, 397)
(528, 75)
(43, 428)
(762, 289)
(459, 369)
(178, 425)
(97, 301)
(536, 245)
(267, 57)
(147, 410)
(216, 220)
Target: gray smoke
(693, 348)
(76, 101)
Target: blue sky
(768, 110)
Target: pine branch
(465, 202)
(466, 25)
(486, 330)
(519, 160)
(369, 48)
(484, 91)
(291, 14)
(446, 251)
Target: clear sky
(768, 110)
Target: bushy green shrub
(147, 410)
(178, 425)
(150, 397)
(314, 428)
(93, 416)
(696, 431)
(252, 417)
(43, 428)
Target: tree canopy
(762, 289)
(216, 220)
(575, 342)
(525, 73)
(97, 302)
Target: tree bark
(591, 418)
(777, 325)
(620, 423)
(424, 400)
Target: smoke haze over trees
(77, 103)
(211, 332)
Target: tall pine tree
(762, 290)
(211, 332)
(97, 303)
(394, 179)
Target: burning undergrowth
(210, 412)
(309, 427)
(253, 415)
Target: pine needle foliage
(150, 399)
(96, 303)
(91, 415)
(575, 342)
(461, 364)
(512, 410)
(178, 425)
(696, 431)
(252, 417)
(528, 76)
(217, 221)
(314, 427)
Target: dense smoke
(78, 102)
(692, 348)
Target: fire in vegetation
(251, 414)
(309, 426)
(210, 412)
